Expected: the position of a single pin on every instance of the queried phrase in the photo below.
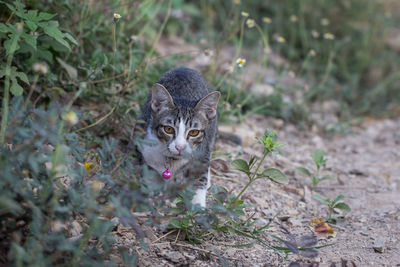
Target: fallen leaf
(320, 227)
(316, 222)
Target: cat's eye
(194, 133)
(169, 129)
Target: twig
(176, 239)
(161, 237)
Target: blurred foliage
(340, 47)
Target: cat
(180, 121)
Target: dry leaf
(320, 227)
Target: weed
(320, 163)
(333, 204)
(226, 210)
(252, 167)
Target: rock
(379, 245)
(189, 257)
(393, 187)
(307, 195)
(231, 252)
(174, 256)
(284, 217)
(364, 233)
(260, 222)
(75, 229)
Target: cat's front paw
(200, 197)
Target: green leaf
(30, 40)
(318, 158)
(72, 72)
(51, 29)
(4, 28)
(275, 175)
(45, 54)
(241, 165)
(45, 16)
(326, 177)
(304, 171)
(16, 89)
(71, 38)
(31, 15)
(22, 76)
(10, 7)
(342, 206)
(252, 161)
(7, 204)
(31, 25)
(2, 72)
(11, 45)
(337, 199)
(175, 223)
(322, 199)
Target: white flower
(117, 16)
(250, 23)
(240, 62)
(71, 118)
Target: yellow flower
(293, 18)
(88, 166)
(312, 53)
(71, 117)
(314, 34)
(245, 14)
(117, 16)
(240, 62)
(280, 39)
(236, 2)
(250, 23)
(325, 22)
(329, 36)
(267, 20)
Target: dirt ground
(366, 164)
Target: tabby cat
(180, 118)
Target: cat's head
(181, 124)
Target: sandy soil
(366, 164)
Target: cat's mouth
(175, 157)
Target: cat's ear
(208, 105)
(160, 98)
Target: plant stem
(252, 178)
(330, 212)
(237, 53)
(160, 31)
(265, 52)
(6, 97)
(32, 88)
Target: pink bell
(166, 174)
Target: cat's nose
(179, 148)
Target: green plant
(320, 163)
(225, 210)
(21, 37)
(252, 168)
(333, 204)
